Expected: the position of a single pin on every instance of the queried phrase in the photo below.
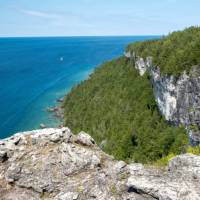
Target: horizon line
(43, 36)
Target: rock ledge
(55, 164)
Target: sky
(20, 18)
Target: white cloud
(59, 20)
(40, 14)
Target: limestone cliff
(55, 164)
(178, 98)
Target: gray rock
(13, 173)
(186, 164)
(178, 99)
(178, 183)
(42, 126)
(119, 166)
(55, 164)
(67, 196)
(85, 139)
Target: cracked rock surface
(55, 164)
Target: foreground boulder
(55, 164)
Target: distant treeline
(174, 53)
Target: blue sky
(96, 17)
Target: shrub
(164, 160)
(194, 150)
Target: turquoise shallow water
(34, 72)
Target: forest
(173, 54)
(116, 107)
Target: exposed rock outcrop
(55, 164)
(178, 99)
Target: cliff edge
(55, 164)
(174, 68)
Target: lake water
(34, 72)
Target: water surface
(34, 72)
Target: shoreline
(56, 111)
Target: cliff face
(178, 99)
(55, 164)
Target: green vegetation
(194, 150)
(113, 190)
(117, 105)
(194, 127)
(164, 160)
(174, 53)
(80, 189)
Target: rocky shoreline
(57, 111)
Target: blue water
(34, 72)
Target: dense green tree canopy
(116, 105)
(174, 53)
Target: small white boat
(61, 59)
